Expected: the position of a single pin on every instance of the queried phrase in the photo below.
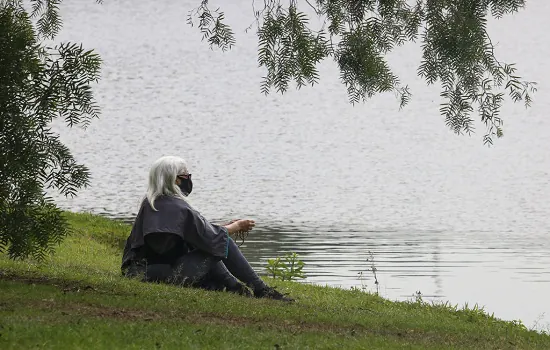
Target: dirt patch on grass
(70, 311)
(85, 309)
(64, 285)
(42, 280)
(109, 312)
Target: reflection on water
(438, 264)
(440, 214)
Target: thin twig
(317, 11)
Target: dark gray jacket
(174, 216)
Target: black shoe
(271, 293)
(240, 289)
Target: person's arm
(239, 225)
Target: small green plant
(373, 270)
(286, 268)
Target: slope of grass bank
(77, 299)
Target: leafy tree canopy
(457, 51)
(38, 84)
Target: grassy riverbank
(77, 299)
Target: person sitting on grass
(172, 242)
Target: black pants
(203, 270)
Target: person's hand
(245, 225)
(240, 226)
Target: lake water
(440, 214)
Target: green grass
(78, 300)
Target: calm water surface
(440, 214)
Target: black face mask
(186, 186)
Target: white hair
(162, 178)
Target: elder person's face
(185, 183)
